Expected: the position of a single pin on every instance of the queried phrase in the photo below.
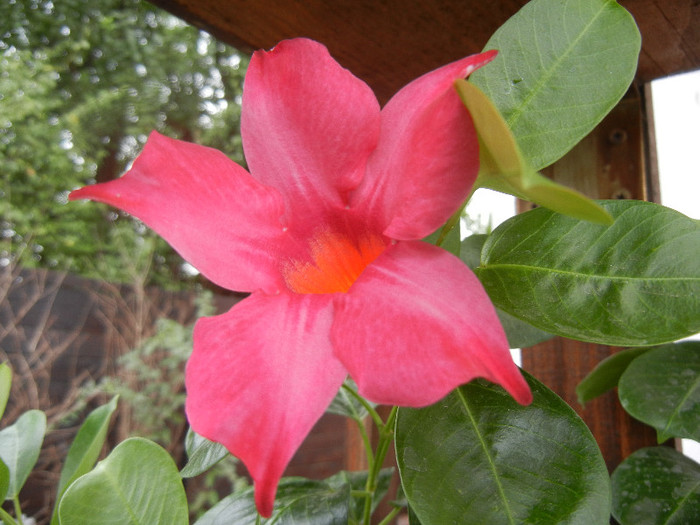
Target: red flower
(325, 233)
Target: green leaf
(202, 454)
(662, 389)
(656, 485)
(137, 484)
(503, 168)
(634, 283)
(347, 404)
(298, 501)
(606, 374)
(85, 449)
(4, 480)
(562, 66)
(20, 445)
(479, 457)
(519, 333)
(5, 386)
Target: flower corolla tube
(324, 231)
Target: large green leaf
(5, 386)
(662, 389)
(634, 283)
(503, 168)
(85, 449)
(562, 66)
(656, 485)
(606, 374)
(478, 457)
(298, 501)
(20, 445)
(202, 454)
(137, 484)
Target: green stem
(372, 412)
(6, 518)
(394, 512)
(18, 510)
(386, 436)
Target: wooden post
(608, 164)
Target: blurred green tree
(82, 83)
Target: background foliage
(81, 85)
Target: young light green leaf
(479, 457)
(562, 66)
(634, 283)
(503, 168)
(137, 484)
(85, 449)
(662, 389)
(5, 386)
(656, 485)
(202, 454)
(298, 501)
(20, 445)
(606, 374)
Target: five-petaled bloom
(324, 232)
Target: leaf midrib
(578, 274)
(484, 447)
(517, 113)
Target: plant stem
(6, 518)
(386, 436)
(18, 510)
(394, 512)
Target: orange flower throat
(337, 263)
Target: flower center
(337, 263)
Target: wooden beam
(387, 43)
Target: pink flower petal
(307, 124)
(208, 208)
(427, 158)
(417, 324)
(260, 377)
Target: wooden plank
(387, 43)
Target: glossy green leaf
(20, 445)
(137, 484)
(656, 485)
(503, 168)
(562, 66)
(634, 283)
(298, 501)
(479, 457)
(346, 403)
(5, 386)
(85, 449)
(662, 389)
(606, 374)
(519, 333)
(202, 454)
(4, 480)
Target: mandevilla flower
(324, 232)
